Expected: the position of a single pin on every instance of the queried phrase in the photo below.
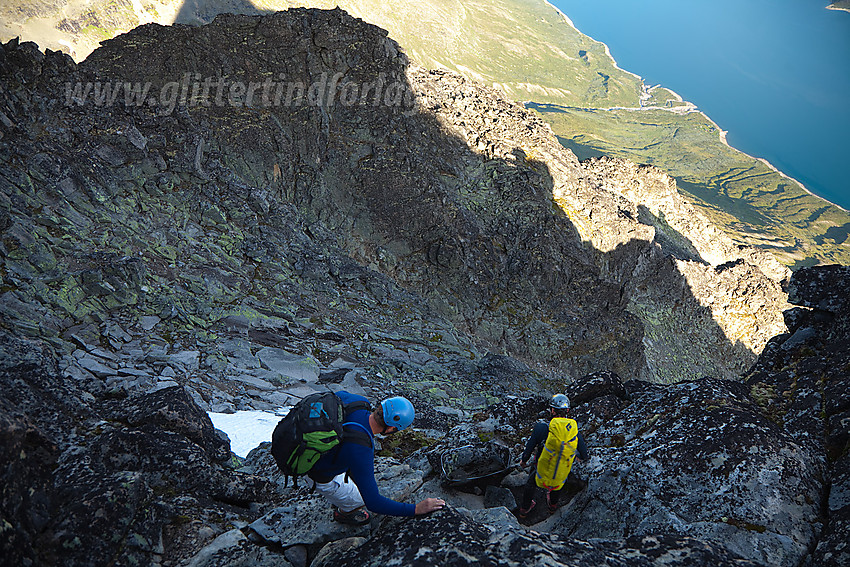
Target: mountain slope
(533, 53)
(445, 188)
(204, 248)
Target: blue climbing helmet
(398, 412)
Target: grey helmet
(559, 401)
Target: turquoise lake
(774, 74)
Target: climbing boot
(551, 505)
(357, 517)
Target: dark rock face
(94, 482)
(473, 234)
(699, 459)
(172, 410)
(802, 382)
(29, 452)
(451, 538)
(596, 385)
(825, 289)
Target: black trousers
(531, 491)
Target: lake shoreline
(833, 6)
(691, 107)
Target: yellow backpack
(556, 458)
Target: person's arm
(582, 448)
(538, 435)
(362, 473)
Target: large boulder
(90, 480)
(307, 520)
(699, 459)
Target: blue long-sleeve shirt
(538, 437)
(359, 461)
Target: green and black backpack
(313, 427)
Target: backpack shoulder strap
(358, 434)
(357, 405)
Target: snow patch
(247, 429)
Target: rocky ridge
(570, 78)
(205, 212)
(161, 263)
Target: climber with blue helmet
(345, 476)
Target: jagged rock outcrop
(474, 235)
(720, 462)
(696, 473)
(95, 480)
(453, 538)
(737, 291)
(802, 380)
(699, 459)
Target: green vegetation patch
(404, 443)
(755, 204)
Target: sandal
(357, 517)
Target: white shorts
(339, 492)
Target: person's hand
(430, 505)
(522, 465)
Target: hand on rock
(430, 505)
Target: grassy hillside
(522, 46)
(752, 201)
(532, 52)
